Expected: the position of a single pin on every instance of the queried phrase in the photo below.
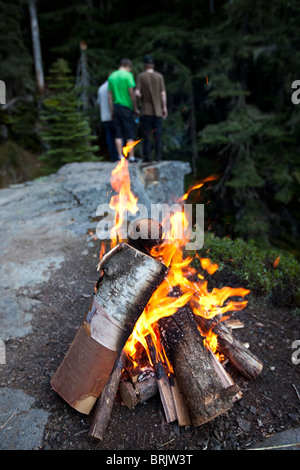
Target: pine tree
(249, 135)
(66, 130)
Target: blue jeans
(151, 129)
(109, 130)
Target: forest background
(229, 67)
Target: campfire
(154, 326)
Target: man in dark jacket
(151, 90)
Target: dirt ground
(269, 405)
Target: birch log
(127, 282)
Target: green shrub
(268, 272)
(17, 164)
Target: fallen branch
(106, 400)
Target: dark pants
(109, 130)
(151, 128)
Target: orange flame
(211, 342)
(92, 235)
(198, 186)
(129, 146)
(124, 200)
(102, 250)
(195, 292)
(191, 285)
(206, 264)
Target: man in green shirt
(122, 102)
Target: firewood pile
(173, 358)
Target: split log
(236, 352)
(163, 383)
(182, 412)
(233, 324)
(105, 403)
(128, 279)
(134, 393)
(223, 374)
(203, 391)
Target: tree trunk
(83, 76)
(38, 64)
(193, 130)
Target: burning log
(167, 386)
(133, 393)
(236, 352)
(128, 280)
(145, 234)
(163, 383)
(193, 385)
(202, 389)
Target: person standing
(122, 99)
(106, 120)
(151, 90)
